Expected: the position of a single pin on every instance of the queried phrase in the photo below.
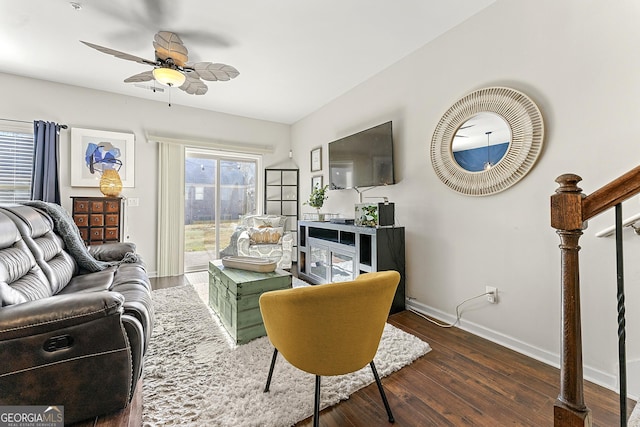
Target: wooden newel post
(567, 219)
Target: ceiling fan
(171, 67)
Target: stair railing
(570, 210)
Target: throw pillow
(265, 235)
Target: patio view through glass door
(219, 189)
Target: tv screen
(364, 159)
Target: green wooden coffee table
(234, 295)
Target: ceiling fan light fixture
(171, 65)
(169, 76)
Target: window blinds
(16, 162)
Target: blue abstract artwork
(101, 156)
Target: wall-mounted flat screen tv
(364, 159)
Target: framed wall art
(93, 151)
(316, 159)
(316, 182)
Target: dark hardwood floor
(464, 381)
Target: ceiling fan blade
(169, 45)
(119, 54)
(214, 72)
(194, 86)
(205, 38)
(141, 77)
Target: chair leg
(273, 364)
(316, 404)
(384, 397)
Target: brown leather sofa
(68, 337)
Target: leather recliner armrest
(56, 312)
(69, 350)
(112, 251)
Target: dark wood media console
(330, 252)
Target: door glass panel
(289, 208)
(319, 262)
(199, 216)
(218, 191)
(273, 193)
(290, 177)
(273, 177)
(289, 193)
(237, 196)
(341, 267)
(273, 208)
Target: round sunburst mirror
(487, 141)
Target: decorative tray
(260, 265)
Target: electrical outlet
(492, 294)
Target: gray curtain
(45, 184)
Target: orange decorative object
(110, 183)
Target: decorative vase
(320, 215)
(110, 183)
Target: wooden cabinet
(99, 219)
(339, 252)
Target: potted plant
(317, 198)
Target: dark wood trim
(617, 191)
(570, 210)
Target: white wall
(29, 99)
(576, 59)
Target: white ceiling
(294, 56)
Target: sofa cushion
(46, 246)
(21, 279)
(90, 282)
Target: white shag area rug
(195, 376)
(634, 419)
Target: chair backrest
(21, 279)
(47, 247)
(260, 221)
(330, 329)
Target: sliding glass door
(219, 189)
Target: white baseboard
(591, 374)
(633, 378)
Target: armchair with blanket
(264, 236)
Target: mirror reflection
(481, 142)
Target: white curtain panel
(170, 256)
